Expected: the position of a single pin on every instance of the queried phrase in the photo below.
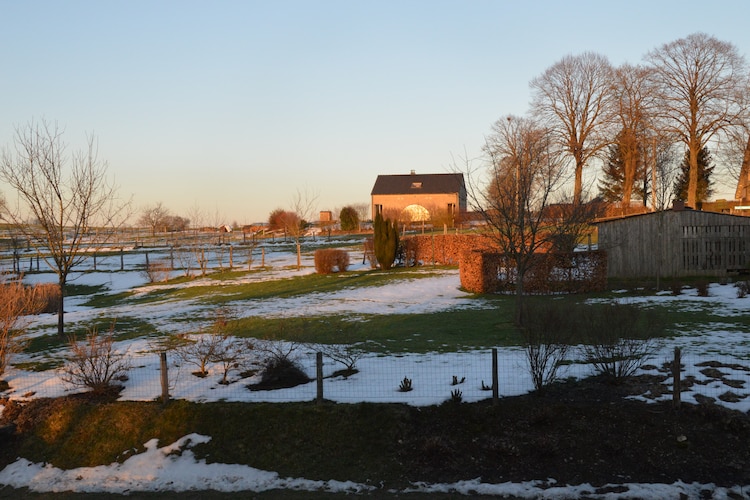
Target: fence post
(263, 257)
(122, 259)
(94, 261)
(319, 376)
(676, 382)
(231, 258)
(164, 378)
(146, 260)
(495, 379)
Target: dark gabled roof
(418, 184)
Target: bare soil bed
(576, 432)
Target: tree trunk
(692, 194)
(61, 309)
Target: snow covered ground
(157, 470)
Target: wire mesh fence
(413, 379)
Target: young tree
(573, 99)
(705, 169)
(700, 86)
(349, 218)
(62, 199)
(385, 241)
(523, 173)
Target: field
(576, 438)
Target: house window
(452, 208)
(416, 185)
(378, 209)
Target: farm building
(419, 197)
(675, 243)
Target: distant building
(420, 197)
(326, 216)
(675, 243)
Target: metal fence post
(319, 376)
(676, 382)
(495, 378)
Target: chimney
(413, 172)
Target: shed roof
(418, 184)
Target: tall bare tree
(701, 82)
(154, 217)
(573, 98)
(62, 199)
(523, 173)
(633, 105)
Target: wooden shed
(675, 243)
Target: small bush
(702, 288)
(326, 259)
(280, 373)
(620, 338)
(94, 363)
(742, 289)
(157, 271)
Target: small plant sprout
(456, 396)
(405, 385)
(456, 381)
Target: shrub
(620, 338)
(349, 219)
(742, 289)
(280, 373)
(157, 271)
(702, 288)
(94, 363)
(326, 259)
(385, 237)
(547, 328)
(16, 301)
(456, 396)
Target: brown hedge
(326, 259)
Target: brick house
(435, 198)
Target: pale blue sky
(234, 106)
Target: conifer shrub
(385, 241)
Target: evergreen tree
(705, 169)
(612, 182)
(385, 241)
(610, 185)
(349, 219)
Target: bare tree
(303, 206)
(62, 199)
(573, 98)
(155, 217)
(523, 173)
(701, 82)
(633, 105)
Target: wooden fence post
(495, 379)
(122, 260)
(319, 376)
(164, 378)
(676, 382)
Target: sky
(232, 109)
